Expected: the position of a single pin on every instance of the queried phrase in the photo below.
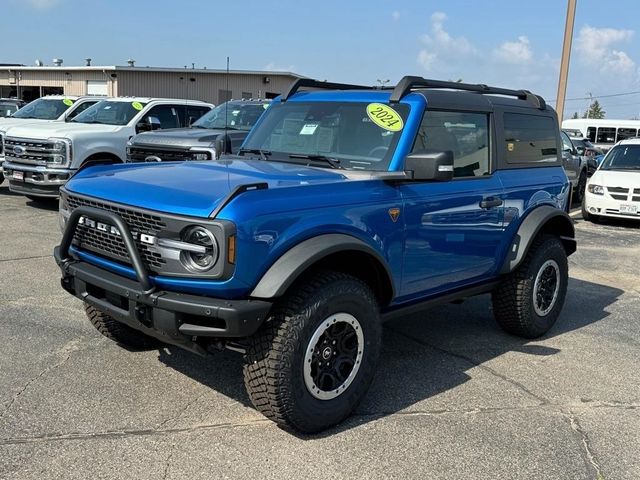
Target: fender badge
(394, 213)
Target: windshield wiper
(334, 162)
(256, 151)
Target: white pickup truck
(41, 158)
(52, 108)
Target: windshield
(622, 157)
(345, 132)
(239, 116)
(7, 108)
(44, 108)
(109, 112)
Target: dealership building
(215, 86)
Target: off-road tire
(119, 332)
(275, 357)
(513, 302)
(578, 195)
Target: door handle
(490, 202)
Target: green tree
(575, 115)
(594, 111)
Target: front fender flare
(294, 262)
(534, 223)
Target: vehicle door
(453, 229)
(571, 161)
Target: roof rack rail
(309, 82)
(408, 83)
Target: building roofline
(121, 68)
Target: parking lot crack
(19, 259)
(66, 351)
(181, 412)
(586, 444)
(468, 359)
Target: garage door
(96, 87)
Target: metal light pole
(566, 54)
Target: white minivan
(614, 189)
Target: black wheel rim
(546, 288)
(333, 356)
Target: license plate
(18, 176)
(633, 209)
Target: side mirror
(430, 165)
(149, 124)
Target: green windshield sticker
(68, 102)
(136, 105)
(265, 105)
(385, 117)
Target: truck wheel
(314, 358)
(528, 302)
(119, 332)
(581, 187)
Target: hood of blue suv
(189, 188)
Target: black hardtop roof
(438, 93)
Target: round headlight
(206, 256)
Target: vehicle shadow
(423, 355)
(43, 203)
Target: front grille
(110, 244)
(37, 152)
(618, 193)
(140, 154)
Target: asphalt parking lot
(454, 397)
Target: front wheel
(580, 187)
(314, 358)
(119, 332)
(528, 302)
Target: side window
(81, 108)
(530, 138)
(591, 134)
(463, 133)
(166, 114)
(190, 114)
(626, 133)
(606, 135)
(567, 144)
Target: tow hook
(140, 312)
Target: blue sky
(507, 43)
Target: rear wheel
(528, 302)
(119, 332)
(314, 358)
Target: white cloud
(595, 47)
(395, 15)
(42, 4)
(439, 44)
(518, 52)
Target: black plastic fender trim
(293, 263)
(529, 229)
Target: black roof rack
(408, 83)
(309, 82)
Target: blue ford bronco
(346, 206)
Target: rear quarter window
(530, 138)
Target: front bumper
(609, 207)
(39, 181)
(189, 321)
(174, 318)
